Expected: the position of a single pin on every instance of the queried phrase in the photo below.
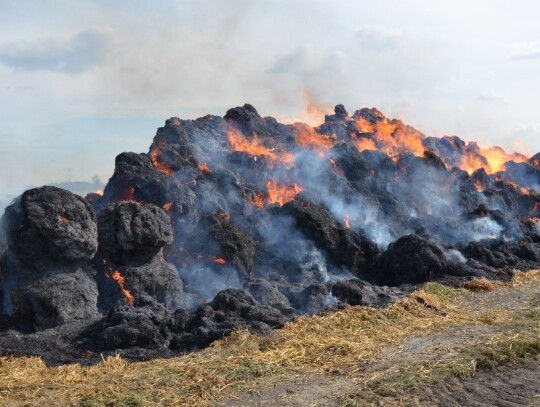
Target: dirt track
(516, 384)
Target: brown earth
(513, 384)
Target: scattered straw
(344, 340)
(479, 284)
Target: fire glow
(155, 155)
(255, 148)
(346, 221)
(203, 167)
(491, 159)
(168, 206)
(121, 280)
(282, 193)
(390, 137)
(307, 137)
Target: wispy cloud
(75, 54)
(488, 96)
(526, 50)
(309, 60)
(378, 36)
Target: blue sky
(83, 81)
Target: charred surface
(243, 221)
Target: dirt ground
(514, 384)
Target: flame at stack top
(393, 137)
(492, 160)
(390, 136)
(308, 137)
(256, 148)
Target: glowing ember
(256, 149)
(259, 200)
(121, 280)
(63, 219)
(168, 206)
(128, 195)
(219, 260)
(155, 154)
(203, 167)
(282, 193)
(479, 186)
(521, 189)
(346, 221)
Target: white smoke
(455, 256)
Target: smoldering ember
(243, 222)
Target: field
(435, 346)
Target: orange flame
(306, 136)
(255, 148)
(479, 186)
(203, 167)
(99, 192)
(219, 260)
(521, 189)
(313, 110)
(391, 137)
(121, 280)
(155, 154)
(258, 200)
(492, 159)
(168, 206)
(346, 221)
(366, 144)
(282, 193)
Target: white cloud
(378, 36)
(526, 50)
(310, 60)
(74, 54)
(489, 96)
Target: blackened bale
(51, 234)
(133, 233)
(411, 259)
(51, 224)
